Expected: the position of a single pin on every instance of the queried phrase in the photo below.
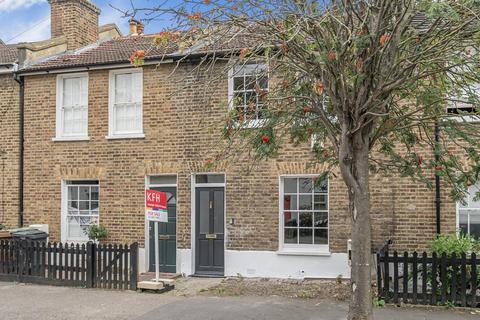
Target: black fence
(429, 279)
(88, 265)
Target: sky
(29, 20)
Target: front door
(210, 210)
(166, 234)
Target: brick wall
(182, 131)
(9, 150)
(77, 20)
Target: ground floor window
(469, 212)
(81, 200)
(304, 212)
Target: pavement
(20, 301)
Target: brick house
(98, 133)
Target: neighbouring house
(98, 132)
(10, 128)
(12, 57)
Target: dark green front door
(210, 248)
(167, 235)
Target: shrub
(2, 226)
(450, 243)
(96, 232)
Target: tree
(369, 80)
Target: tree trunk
(355, 171)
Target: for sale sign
(156, 206)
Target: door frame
(193, 216)
(147, 226)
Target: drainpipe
(21, 99)
(438, 200)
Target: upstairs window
(466, 105)
(248, 86)
(126, 104)
(469, 213)
(72, 106)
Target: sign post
(156, 211)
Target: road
(19, 301)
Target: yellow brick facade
(182, 131)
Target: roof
(8, 54)
(119, 51)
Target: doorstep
(147, 276)
(165, 283)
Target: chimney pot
(140, 28)
(133, 27)
(136, 27)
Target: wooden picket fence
(87, 265)
(429, 279)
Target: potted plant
(96, 232)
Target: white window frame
(253, 123)
(60, 135)
(460, 208)
(64, 210)
(465, 117)
(301, 249)
(111, 102)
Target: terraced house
(98, 132)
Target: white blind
(127, 109)
(74, 107)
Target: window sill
(125, 136)
(303, 253)
(251, 124)
(66, 139)
(465, 118)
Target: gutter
(438, 200)
(21, 172)
(155, 60)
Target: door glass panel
(218, 212)
(210, 178)
(204, 212)
(163, 180)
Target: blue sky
(29, 20)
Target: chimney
(136, 28)
(77, 20)
(140, 28)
